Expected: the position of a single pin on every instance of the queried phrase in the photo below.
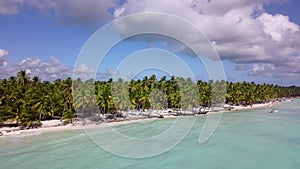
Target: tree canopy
(26, 101)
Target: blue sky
(256, 41)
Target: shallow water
(245, 139)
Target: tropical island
(25, 103)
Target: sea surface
(249, 139)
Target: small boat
(275, 110)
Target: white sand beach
(238, 108)
(52, 125)
(57, 125)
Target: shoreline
(15, 132)
(248, 107)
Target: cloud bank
(10, 7)
(48, 71)
(242, 32)
(87, 13)
(34, 67)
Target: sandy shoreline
(29, 132)
(20, 133)
(254, 106)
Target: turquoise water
(247, 139)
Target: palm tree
(120, 93)
(23, 78)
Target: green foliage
(26, 102)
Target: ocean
(248, 139)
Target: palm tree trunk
(40, 116)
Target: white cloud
(30, 62)
(48, 71)
(242, 31)
(262, 70)
(3, 54)
(10, 7)
(213, 7)
(55, 61)
(36, 67)
(118, 12)
(278, 26)
(84, 72)
(84, 69)
(108, 73)
(87, 13)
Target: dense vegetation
(26, 101)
